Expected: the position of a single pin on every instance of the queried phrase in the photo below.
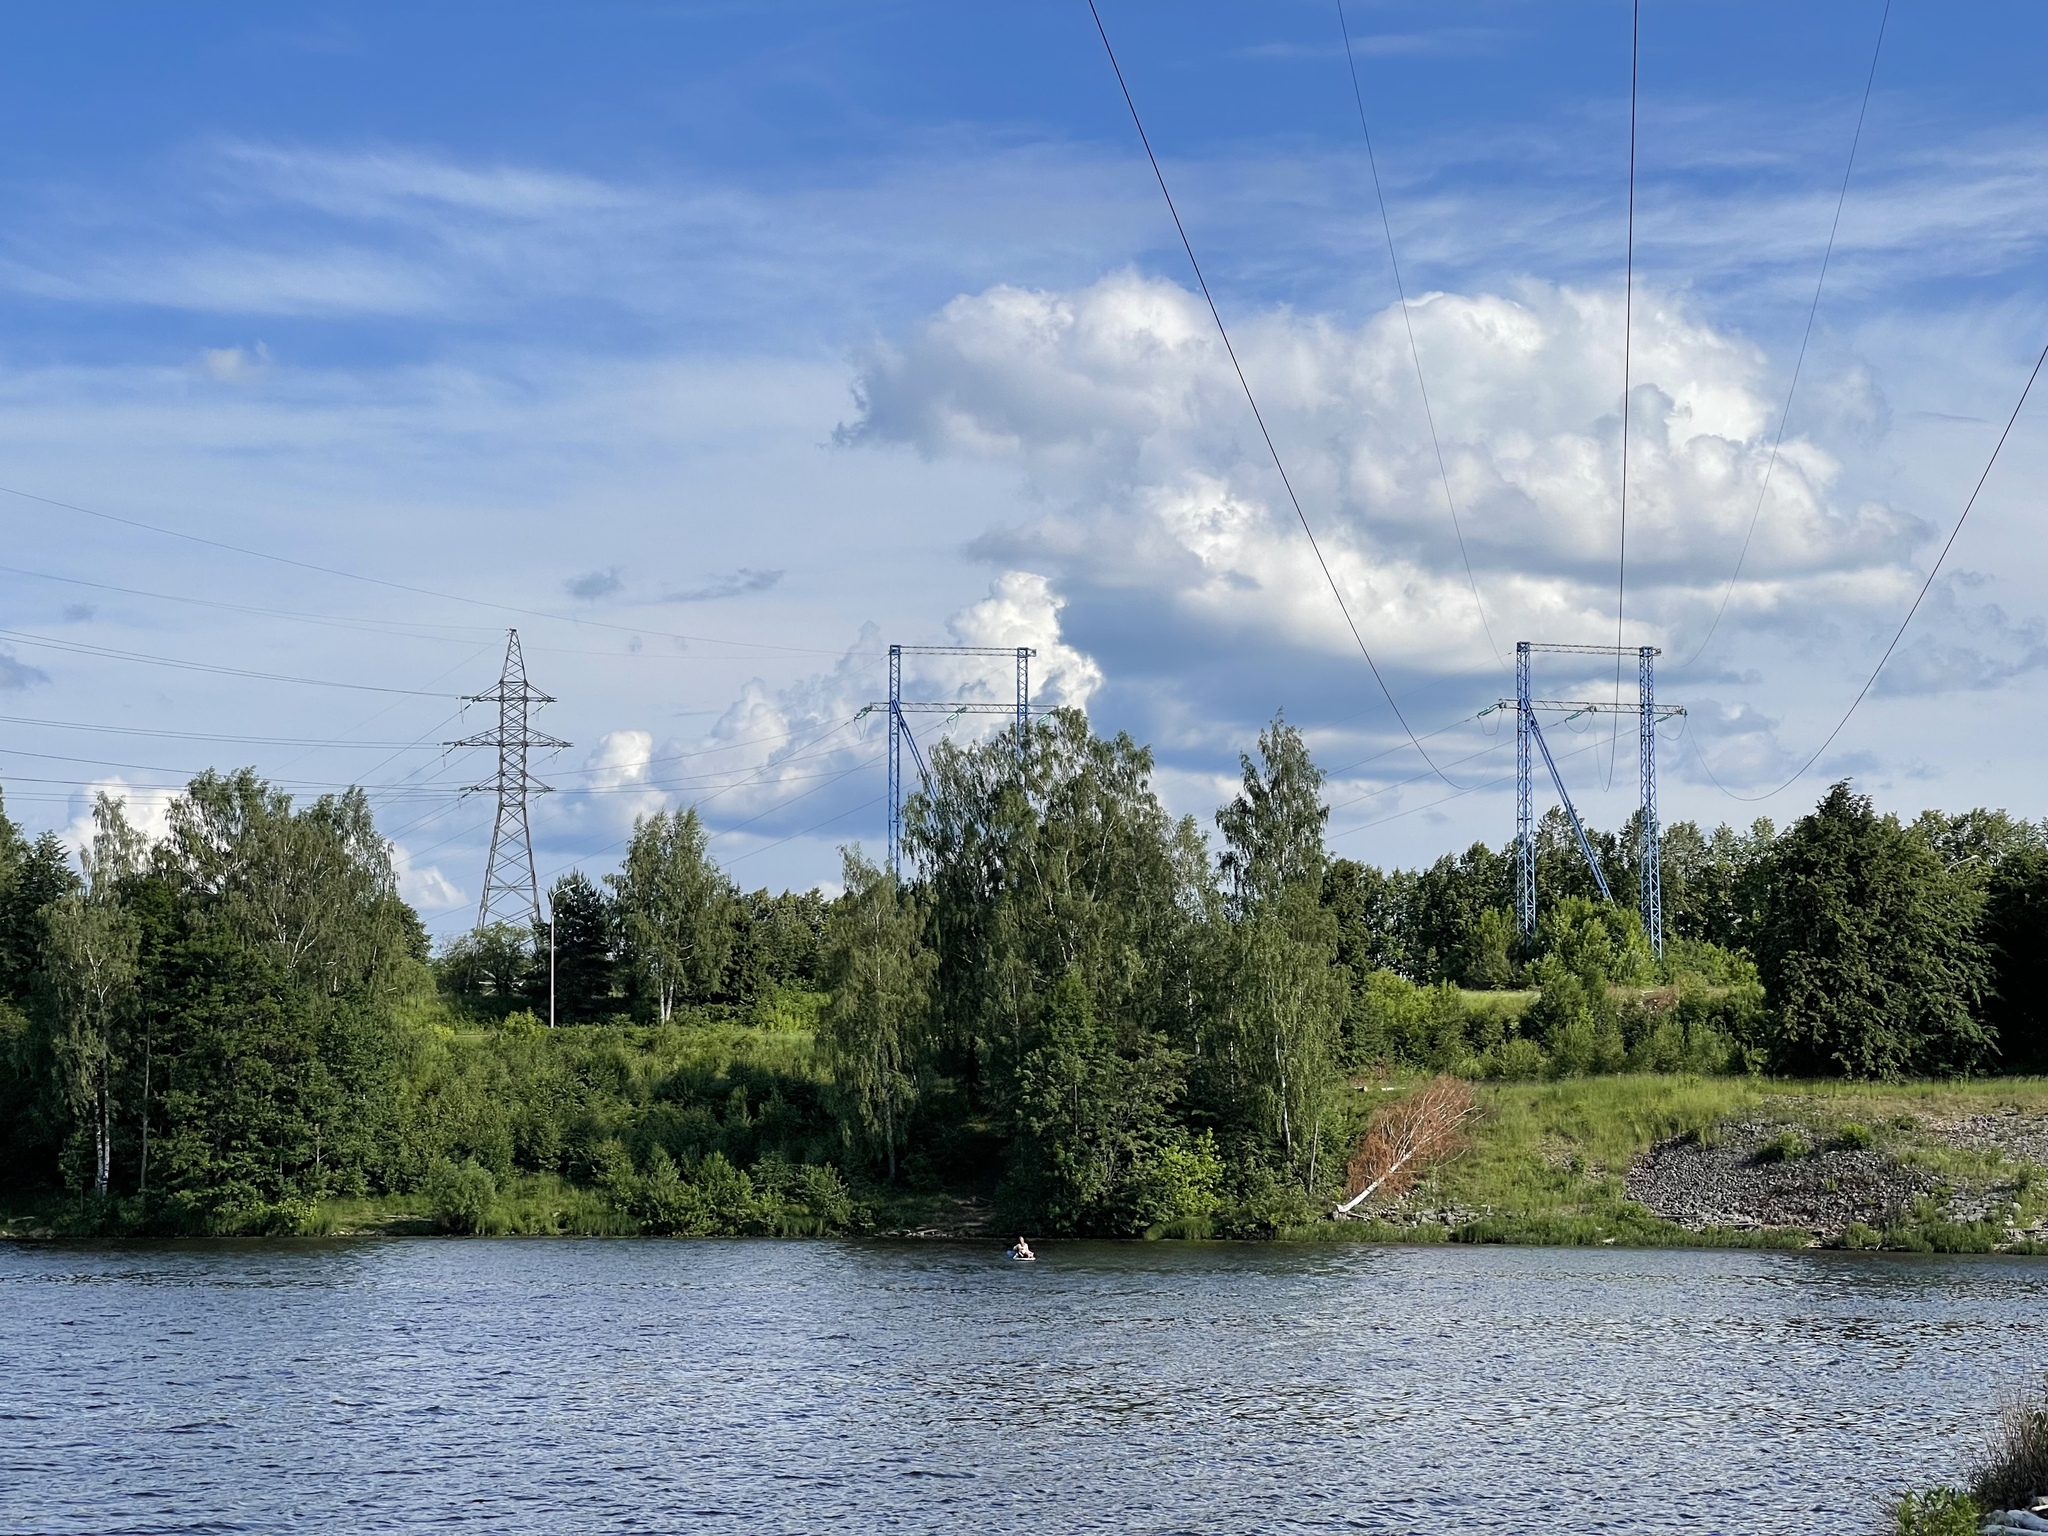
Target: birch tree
(89, 955)
(313, 889)
(677, 908)
(1285, 994)
(880, 974)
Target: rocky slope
(1779, 1172)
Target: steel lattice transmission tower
(900, 734)
(1649, 858)
(511, 889)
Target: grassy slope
(1547, 1161)
(1546, 1164)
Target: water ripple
(800, 1387)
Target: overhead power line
(252, 741)
(816, 826)
(759, 774)
(1251, 400)
(407, 629)
(1798, 363)
(464, 634)
(79, 647)
(1628, 299)
(96, 762)
(327, 786)
(1414, 352)
(1387, 789)
(1456, 794)
(400, 586)
(1919, 598)
(1390, 751)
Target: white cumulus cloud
(1117, 405)
(424, 885)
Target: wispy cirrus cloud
(736, 584)
(1434, 42)
(271, 228)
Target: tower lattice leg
(1650, 859)
(1525, 825)
(896, 762)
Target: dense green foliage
(1868, 945)
(208, 1024)
(1069, 1006)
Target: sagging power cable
(1414, 352)
(80, 648)
(1799, 362)
(1628, 299)
(400, 586)
(1925, 587)
(1251, 400)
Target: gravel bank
(2019, 1136)
(1725, 1184)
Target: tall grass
(2013, 1471)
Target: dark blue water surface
(634, 1385)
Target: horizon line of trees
(1070, 996)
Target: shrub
(1518, 1060)
(1489, 961)
(786, 1199)
(661, 1200)
(1659, 1047)
(1185, 1181)
(1717, 1026)
(824, 1194)
(611, 1169)
(1574, 1020)
(1391, 1018)
(1937, 1512)
(1266, 1205)
(1586, 1046)
(1598, 942)
(1697, 960)
(1784, 1147)
(726, 1192)
(1851, 1137)
(461, 1194)
(789, 1010)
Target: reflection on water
(771, 1387)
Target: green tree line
(1071, 1003)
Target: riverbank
(1659, 1161)
(1641, 1160)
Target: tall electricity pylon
(1650, 882)
(511, 889)
(899, 727)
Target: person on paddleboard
(1022, 1250)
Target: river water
(636, 1385)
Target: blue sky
(722, 345)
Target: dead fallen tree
(1407, 1138)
